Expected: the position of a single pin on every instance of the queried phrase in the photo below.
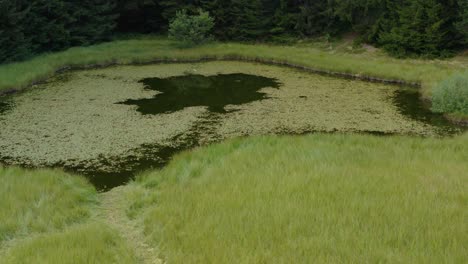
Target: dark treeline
(403, 27)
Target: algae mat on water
(92, 121)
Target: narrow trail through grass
(113, 213)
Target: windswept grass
(50, 217)
(310, 199)
(89, 243)
(41, 201)
(148, 49)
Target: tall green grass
(41, 201)
(148, 49)
(310, 199)
(51, 217)
(92, 243)
(451, 95)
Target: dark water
(410, 104)
(215, 92)
(177, 93)
(155, 157)
(4, 106)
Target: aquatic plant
(90, 131)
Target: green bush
(451, 95)
(191, 30)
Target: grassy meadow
(50, 217)
(315, 198)
(41, 201)
(312, 199)
(322, 198)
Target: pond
(109, 124)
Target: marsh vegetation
(233, 131)
(111, 123)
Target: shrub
(451, 95)
(191, 30)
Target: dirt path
(113, 213)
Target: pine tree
(285, 17)
(93, 21)
(46, 25)
(317, 17)
(424, 27)
(219, 10)
(170, 7)
(358, 15)
(13, 43)
(462, 23)
(248, 21)
(143, 16)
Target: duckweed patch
(77, 120)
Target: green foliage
(248, 21)
(430, 28)
(284, 20)
(423, 27)
(451, 95)
(317, 18)
(170, 8)
(93, 21)
(37, 26)
(14, 45)
(220, 11)
(191, 30)
(140, 16)
(462, 24)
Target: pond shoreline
(108, 131)
(461, 121)
(233, 58)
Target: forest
(404, 28)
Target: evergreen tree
(359, 15)
(46, 25)
(403, 27)
(285, 17)
(317, 17)
(13, 43)
(170, 7)
(143, 16)
(92, 21)
(220, 11)
(247, 20)
(386, 22)
(462, 23)
(423, 27)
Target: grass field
(311, 199)
(88, 243)
(41, 201)
(51, 217)
(318, 198)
